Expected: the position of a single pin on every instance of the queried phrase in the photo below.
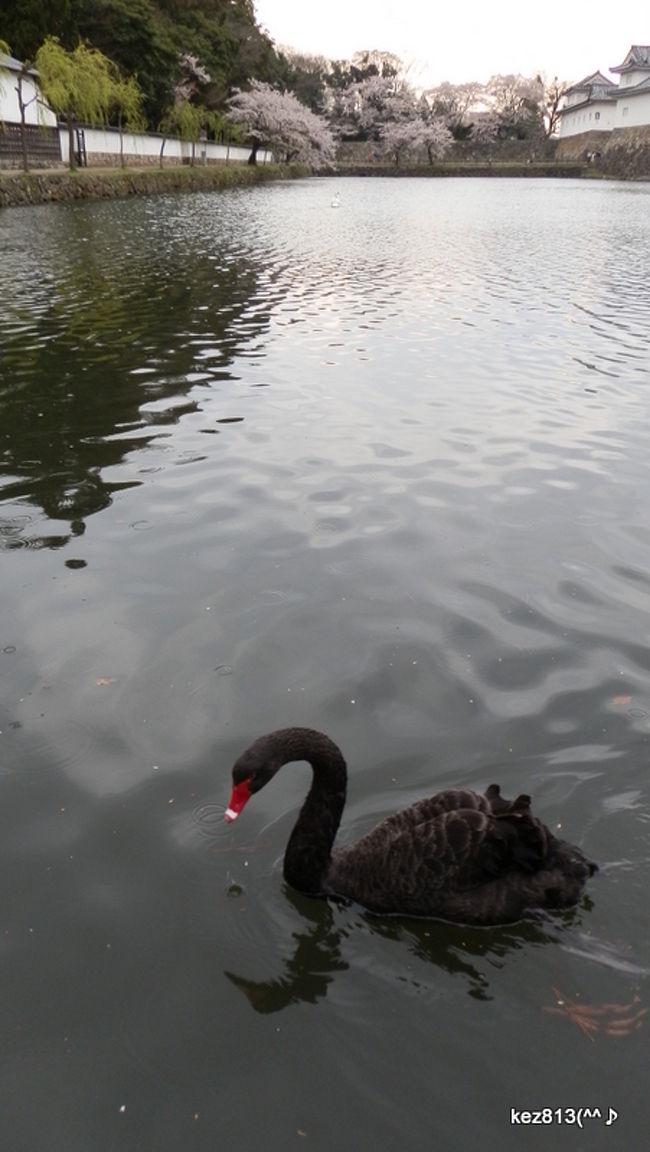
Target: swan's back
(460, 855)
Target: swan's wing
(453, 853)
(450, 800)
(432, 807)
(482, 847)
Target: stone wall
(623, 152)
(114, 160)
(368, 153)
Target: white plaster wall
(585, 119)
(638, 111)
(635, 77)
(37, 111)
(106, 141)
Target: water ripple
(384, 472)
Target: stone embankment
(17, 188)
(623, 153)
(566, 170)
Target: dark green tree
(127, 32)
(26, 23)
(306, 76)
(146, 38)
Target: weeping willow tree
(79, 85)
(127, 105)
(185, 120)
(190, 120)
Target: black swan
(456, 856)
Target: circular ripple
(209, 820)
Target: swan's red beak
(240, 795)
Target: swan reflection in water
(317, 956)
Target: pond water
(382, 470)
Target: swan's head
(251, 772)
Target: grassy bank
(18, 188)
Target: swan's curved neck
(308, 852)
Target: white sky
(466, 40)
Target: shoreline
(60, 185)
(566, 170)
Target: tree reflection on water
(89, 347)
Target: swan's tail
(531, 843)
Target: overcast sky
(461, 40)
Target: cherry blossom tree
(484, 130)
(437, 135)
(516, 102)
(184, 116)
(436, 139)
(193, 76)
(379, 100)
(452, 103)
(505, 107)
(277, 120)
(400, 137)
(372, 62)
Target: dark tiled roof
(596, 78)
(13, 65)
(639, 55)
